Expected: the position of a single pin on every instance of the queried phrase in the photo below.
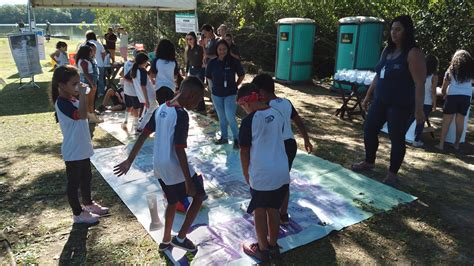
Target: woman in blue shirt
(222, 71)
(396, 91)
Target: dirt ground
(437, 229)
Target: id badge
(225, 83)
(382, 73)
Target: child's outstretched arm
(304, 133)
(123, 167)
(183, 162)
(82, 111)
(245, 162)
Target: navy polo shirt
(218, 71)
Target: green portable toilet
(294, 56)
(359, 42)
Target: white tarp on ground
(132, 4)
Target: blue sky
(13, 2)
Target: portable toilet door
(359, 42)
(295, 41)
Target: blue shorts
(456, 104)
(272, 199)
(132, 101)
(177, 192)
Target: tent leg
(197, 21)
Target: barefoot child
(177, 179)
(76, 148)
(266, 88)
(265, 167)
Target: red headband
(253, 97)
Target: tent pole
(197, 21)
(28, 9)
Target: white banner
(24, 48)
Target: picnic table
(111, 74)
(351, 98)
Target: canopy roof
(170, 5)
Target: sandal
(362, 166)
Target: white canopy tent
(158, 5)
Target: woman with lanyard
(194, 55)
(222, 72)
(395, 93)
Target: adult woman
(222, 72)
(164, 70)
(458, 98)
(396, 91)
(123, 34)
(194, 54)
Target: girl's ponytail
(139, 60)
(133, 71)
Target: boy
(266, 88)
(265, 167)
(176, 177)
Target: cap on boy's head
(248, 92)
(264, 82)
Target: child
(430, 95)
(164, 70)
(117, 98)
(458, 77)
(178, 179)
(132, 102)
(265, 167)
(143, 84)
(60, 55)
(267, 90)
(76, 148)
(89, 74)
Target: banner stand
(29, 84)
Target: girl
(132, 102)
(89, 74)
(60, 55)
(457, 82)
(222, 72)
(194, 54)
(430, 95)
(141, 81)
(123, 43)
(76, 148)
(164, 70)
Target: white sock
(180, 240)
(126, 117)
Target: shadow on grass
(24, 101)
(75, 250)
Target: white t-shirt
(428, 98)
(84, 65)
(62, 59)
(123, 41)
(287, 110)
(98, 52)
(77, 144)
(107, 61)
(165, 76)
(458, 88)
(262, 132)
(143, 79)
(128, 87)
(171, 124)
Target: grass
(35, 215)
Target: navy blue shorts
(132, 101)
(456, 104)
(272, 199)
(290, 148)
(177, 192)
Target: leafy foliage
(10, 14)
(441, 26)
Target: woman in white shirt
(457, 83)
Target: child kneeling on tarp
(177, 178)
(265, 167)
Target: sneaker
(164, 246)
(274, 252)
(284, 218)
(96, 208)
(221, 141)
(417, 143)
(86, 218)
(187, 244)
(236, 145)
(252, 250)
